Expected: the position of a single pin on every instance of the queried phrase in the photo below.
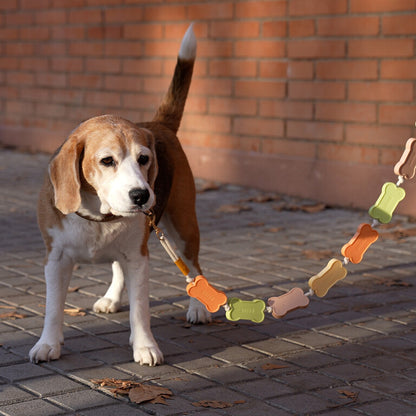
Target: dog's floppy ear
(153, 170)
(64, 171)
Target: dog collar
(104, 218)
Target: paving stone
(115, 409)
(302, 403)
(23, 371)
(388, 407)
(84, 399)
(49, 385)
(262, 388)
(10, 394)
(32, 408)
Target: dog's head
(106, 166)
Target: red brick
(371, 6)
(68, 32)
(9, 63)
(20, 49)
(286, 109)
(177, 30)
(300, 70)
(254, 126)
(316, 48)
(317, 7)
(274, 29)
(50, 110)
(289, 148)
(348, 26)
(259, 8)
(345, 153)
(238, 106)
(260, 49)
(142, 66)
(273, 69)
(390, 156)
(381, 91)
(347, 111)
(19, 18)
(196, 104)
(232, 68)
(301, 28)
(123, 48)
(375, 48)
(399, 25)
(103, 65)
(34, 64)
(238, 29)
(85, 15)
(34, 33)
(142, 101)
(7, 5)
(37, 94)
(397, 114)
(339, 70)
(101, 98)
(105, 32)
(265, 89)
(315, 130)
(156, 84)
(85, 81)
(123, 83)
(161, 48)
(20, 78)
(207, 123)
(51, 79)
(8, 34)
(164, 13)
(215, 11)
(51, 17)
(143, 31)
(67, 64)
(317, 90)
(72, 96)
(123, 14)
(19, 107)
(68, 3)
(30, 4)
(214, 48)
(398, 69)
(377, 135)
(86, 48)
(50, 48)
(212, 86)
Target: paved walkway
(350, 353)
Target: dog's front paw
(106, 305)
(148, 355)
(197, 313)
(43, 351)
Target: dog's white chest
(88, 241)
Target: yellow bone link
(390, 196)
(290, 301)
(327, 277)
(208, 295)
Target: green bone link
(251, 310)
(389, 198)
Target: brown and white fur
(100, 181)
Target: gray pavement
(352, 352)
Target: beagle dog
(100, 184)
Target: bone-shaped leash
(353, 251)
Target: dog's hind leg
(110, 302)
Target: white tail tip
(188, 45)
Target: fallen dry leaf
(149, 393)
(350, 394)
(216, 404)
(206, 186)
(12, 315)
(262, 198)
(73, 289)
(394, 283)
(137, 392)
(75, 312)
(271, 366)
(399, 234)
(233, 208)
(313, 208)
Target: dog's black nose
(139, 196)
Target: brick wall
(310, 97)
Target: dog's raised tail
(170, 110)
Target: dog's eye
(143, 159)
(108, 161)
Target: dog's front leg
(145, 348)
(58, 273)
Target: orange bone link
(406, 166)
(210, 297)
(290, 301)
(354, 250)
